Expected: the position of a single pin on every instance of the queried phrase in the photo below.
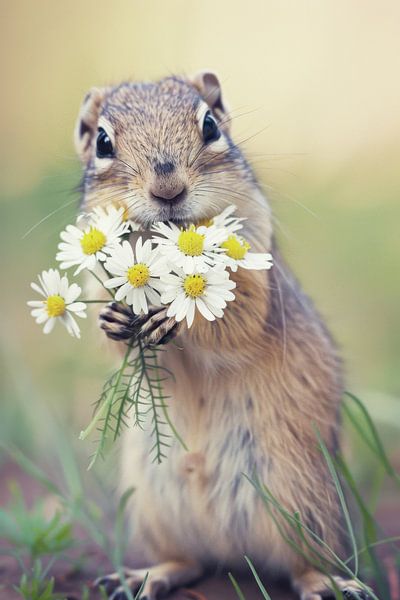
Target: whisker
(53, 212)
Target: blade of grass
(376, 445)
(341, 497)
(237, 589)
(258, 580)
(369, 528)
(31, 468)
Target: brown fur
(250, 388)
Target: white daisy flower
(85, 247)
(195, 249)
(59, 302)
(125, 214)
(225, 221)
(207, 292)
(137, 276)
(238, 255)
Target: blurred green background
(314, 91)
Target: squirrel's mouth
(179, 215)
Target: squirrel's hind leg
(314, 585)
(157, 581)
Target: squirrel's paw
(120, 323)
(154, 585)
(316, 586)
(154, 582)
(156, 328)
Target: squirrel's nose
(168, 190)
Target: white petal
(71, 325)
(183, 308)
(188, 265)
(77, 307)
(176, 304)
(115, 282)
(215, 299)
(49, 325)
(40, 315)
(138, 250)
(205, 311)
(215, 310)
(190, 313)
(146, 252)
(152, 295)
(143, 300)
(122, 291)
(127, 252)
(72, 293)
(136, 307)
(37, 289)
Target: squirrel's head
(161, 149)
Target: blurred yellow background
(314, 90)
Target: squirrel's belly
(199, 503)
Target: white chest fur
(200, 500)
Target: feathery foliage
(134, 392)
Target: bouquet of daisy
(184, 270)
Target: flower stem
(164, 407)
(103, 408)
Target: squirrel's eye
(104, 147)
(211, 133)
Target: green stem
(95, 301)
(163, 406)
(165, 409)
(102, 410)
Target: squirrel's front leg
(120, 323)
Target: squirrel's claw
(157, 328)
(120, 323)
(153, 585)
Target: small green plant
(136, 386)
(30, 535)
(29, 530)
(35, 585)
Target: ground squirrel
(249, 387)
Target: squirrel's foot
(120, 323)
(314, 585)
(156, 581)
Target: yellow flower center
(206, 222)
(55, 306)
(138, 275)
(190, 242)
(235, 247)
(92, 241)
(194, 285)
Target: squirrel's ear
(86, 124)
(208, 85)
